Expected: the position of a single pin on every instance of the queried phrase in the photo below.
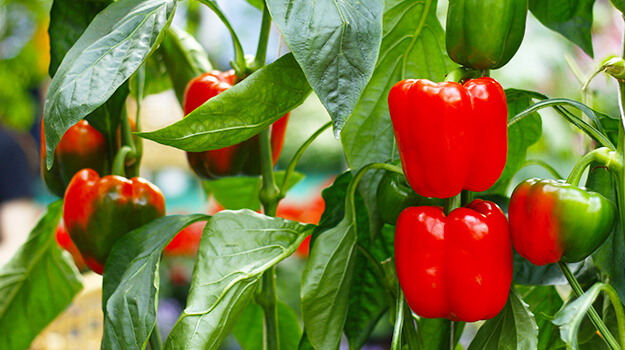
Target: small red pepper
(98, 211)
(450, 136)
(457, 267)
(81, 147)
(242, 158)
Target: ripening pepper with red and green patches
(552, 221)
(81, 147)
(98, 211)
(239, 159)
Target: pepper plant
(404, 239)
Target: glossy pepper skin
(457, 266)
(450, 136)
(81, 146)
(242, 158)
(484, 34)
(99, 211)
(554, 221)
(394, 195)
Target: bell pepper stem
(452, 203)
(298, 155)
(601, 155)
(119, 163)
(592, 313)
(462, 74)
(545, 166)
(155, 340)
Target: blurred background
(546, 63)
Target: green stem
(399, 322)
(453, 203)
(601, 155)
(466, 197)
(239, 65)
(137, 145)
(451, 335)
(269, 198)
(155, 340)
(546, 166)
(298, 155)
(461, 74)
(119, 163)
(592, 313)
(618, 310)
(409, 330)
(261, 51)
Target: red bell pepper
(242, 158)
(457, 267)
(81, 147)
(98, 211)
(450, 136)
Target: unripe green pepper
(485, 34)
(552, 221)
(394, 195)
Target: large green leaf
(331, 303)
(521, 136)
(235, 249)
(513, 328)
(241, 111)
(131, 282)
(68, 20)
(37, 284)
(545, 302)
(249, 328)
(571, 18)
(241, 192)
(526, 273)
(112, 48)
(413, 47)
(336, 42)
(184, 57)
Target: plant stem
(261, 51)
(409, 330)
(544, 165)
(353, 184)
(155, 340)
(452, 203)
(298, 155)
(592, 313)
(269, 198)
(119, 164)
(399, 321)
(601, 155)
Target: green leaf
(239, 112)
(235, 249)
(336, 42)
(413, 47)
(545, 302)
(570, 317)
(249, 328)
(37, 284)
(326, 282)
(114, 45)
(256, 3)
(571, 18)
(521, 136)
(184, 57)
(241, 192)
(513, 328)
(131, 281)
(68, 20)
(433, 332)
(526, 273)
(156, 78)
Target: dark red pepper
(239, 159)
